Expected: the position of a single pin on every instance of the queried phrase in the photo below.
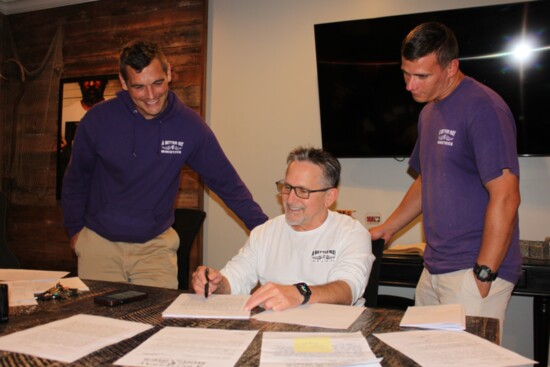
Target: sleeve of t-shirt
(355, 261)
(492, 134)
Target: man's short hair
(138, 55)
(430, 37)
(327, 162)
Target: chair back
(7, 258)
(187, 224)
(371, 292)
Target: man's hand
(379, 232)
(483, 287)
(216, 281)
(275, 297)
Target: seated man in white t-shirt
(308, 255)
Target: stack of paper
(23, 284)
(316, 349)
(318, 314)
(177, 346)
(217, 306)
(436, 348)
(72, 338)
(409, 249)
(445, 317)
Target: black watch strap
(484, 273)
(304, 291)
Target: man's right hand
(216, 281)
(379, 232)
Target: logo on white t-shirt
(323, 256)
(171, 147)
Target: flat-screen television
(365, 109)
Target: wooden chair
(7, 258)
(187, 224)
(371, 292)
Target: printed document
(444, 348)
(177, 346)
(24, 274)
(318, 314)
(314, 349)
(72, 338)
(445, 317)
(22, 292)
(218, 306)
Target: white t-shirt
(340, 249)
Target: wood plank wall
(93, 34)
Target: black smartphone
(119, 297)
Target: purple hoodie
(124, 172)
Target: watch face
(303, 288)
(484, 273)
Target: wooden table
(149, 311)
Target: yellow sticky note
(313, 345)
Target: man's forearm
(409, 208)
(500, 220)
(337, 292)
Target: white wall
(262, 101)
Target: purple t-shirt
(464, 141)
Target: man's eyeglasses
(285, 189)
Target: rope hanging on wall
(32, 157)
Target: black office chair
(371, 292)
(394, 302)
(7, 258)
(187, 224)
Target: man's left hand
(483, 287)
(275, 297)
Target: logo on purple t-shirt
(446, 137)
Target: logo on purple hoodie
(171, 147)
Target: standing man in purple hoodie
(121, 183)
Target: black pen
(206, 285)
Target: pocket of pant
(469, 284)
(172, 239)
(77, 245)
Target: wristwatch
(484, 273)
(304, 291)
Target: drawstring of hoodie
(160, 137)
(134, 135)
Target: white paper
(318, 314)
(219, 306)
(72, 338)
(23, 274)
(445, 317)
(315, 348)
(438, 348)
(176, 346)
(22, 292)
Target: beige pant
(460, 287)
(153, 263)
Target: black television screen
(365, 109)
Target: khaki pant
(460, 287)
(153, 263)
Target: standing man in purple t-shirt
(468, 180)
